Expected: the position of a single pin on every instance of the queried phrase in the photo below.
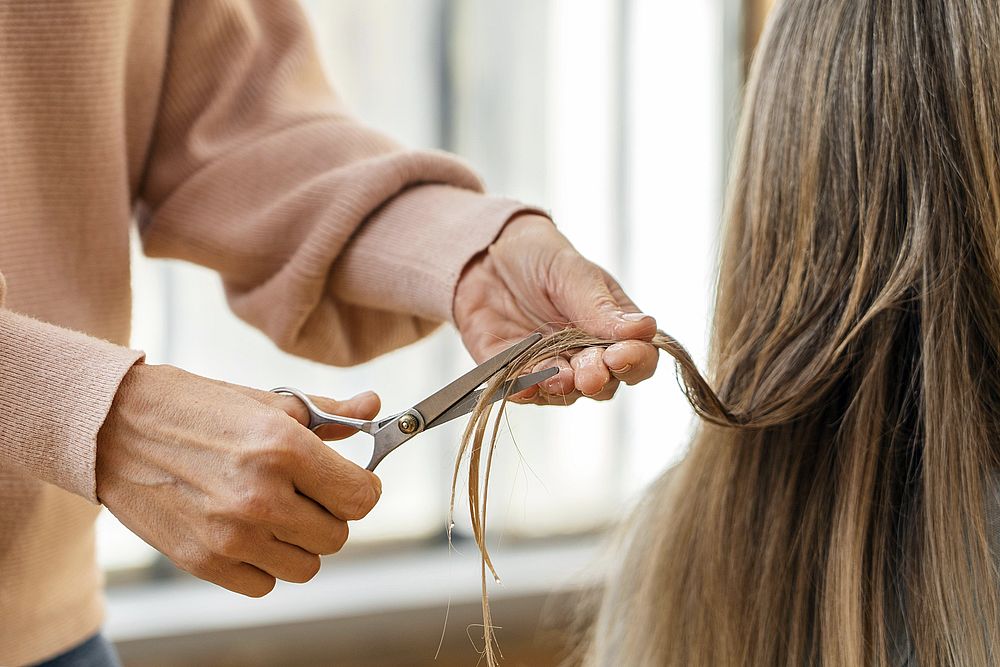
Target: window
(609, 113)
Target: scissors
(456, 399)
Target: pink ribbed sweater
(210, 123)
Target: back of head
(857, 337)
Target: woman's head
(856, 347)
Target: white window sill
(355, 596)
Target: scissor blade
(508, 388)
(438, 403)
(389, 436)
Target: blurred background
(616, 115)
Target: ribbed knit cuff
(408, 257)
(56, 387)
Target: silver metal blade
(437, 403)
(465, 406)
(390, 435)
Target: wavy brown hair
(835, 507)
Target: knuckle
(253, 504)
(360, 501)
(271, 426)
(337, 538)
(269, 445)
(305, 571)
(292, 406)
(201, 563)
(276, 451)
(229, 541)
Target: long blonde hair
(835, 506)
(844, 519)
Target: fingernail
(633, 317)
(362, 395)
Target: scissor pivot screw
(408, 424)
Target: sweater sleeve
(329, 237)
(56, 387)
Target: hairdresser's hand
(532, 279)
(226, 481)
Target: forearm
(331, 238)
(409, 256)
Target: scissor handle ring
(319, 418)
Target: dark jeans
(95, 652)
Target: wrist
(109, 433)
(481, 272)
(135, 399)
(475, 277)
(123, 396)
(520, 228)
